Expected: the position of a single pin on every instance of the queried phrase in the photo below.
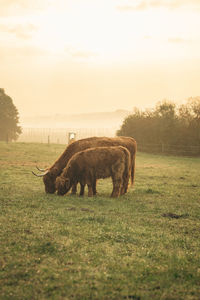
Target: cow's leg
(116, 187)
(94, 185)
(82, 189)
(74, 189)
(125, 180)
(90, 190)
(122, 191)
(124, 186)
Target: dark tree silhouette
(9, 118)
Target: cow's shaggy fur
(56, 169)
(85, 167)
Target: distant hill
(85, 120)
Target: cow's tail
(133, 170)
(133, 164)
(133, 150)
(127, 171)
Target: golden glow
(96, 55)
(96, 28)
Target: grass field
(143, 245)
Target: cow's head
(62, 185)
(49, 183)
(48, 179)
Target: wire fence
(190, 150)
(61, 135)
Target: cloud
(20, 52)
(82, 54)
(79, 54)
(147, 4)
(18, 7)
(147, 37)
(141, 6)
(21, 31)
(24, 31)
(177, 40)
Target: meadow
(143, 245)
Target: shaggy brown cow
(86, 166)
(49, 176)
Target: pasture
(143, 245)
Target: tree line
(167, 125)
(9, 118)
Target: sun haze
(87, 56)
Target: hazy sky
(74, 56)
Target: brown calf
(85, 167)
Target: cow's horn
(40, 175)
(41, 170)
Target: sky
(80, 56)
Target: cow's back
(100, 162)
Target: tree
(189, 115)
(150, 126)
(9, 118)
(165, 114)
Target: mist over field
(87, 120)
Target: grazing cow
(86, 166)
(49, 175)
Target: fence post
(48, 139)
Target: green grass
(143, 245)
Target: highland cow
(49, 175)
(86, 166)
